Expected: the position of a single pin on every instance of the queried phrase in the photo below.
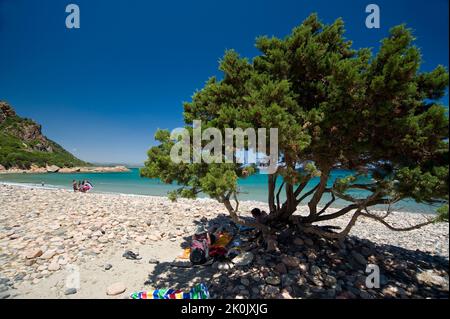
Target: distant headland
(23, 147)
(67, 170)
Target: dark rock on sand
(70, 291)
(4, 295)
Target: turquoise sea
(252, 188)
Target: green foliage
(342, 184)
(333, 106)
(442, 214)
(423, 185)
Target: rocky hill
(22, 144)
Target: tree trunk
(267, 232)
(271, 198)
(325, 172)
(290, 205)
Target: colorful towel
(200, 291)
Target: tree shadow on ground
(318, 269)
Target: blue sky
(102, 90)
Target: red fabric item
(217, 251)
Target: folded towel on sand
(200, 291)
(186, 253)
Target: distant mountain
(22, 144)
(115, 164)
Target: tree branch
(368, 187)
(333, 198)
(382, 221)
(271, 186)
(236, 209)
(345, 197)
(278, 195)
(238, 220)
(302, 185)
(388, 210)
(320, 190)
(339, 213)
(357, 203)
(307, 194)
(331, 235)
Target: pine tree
(334, 106)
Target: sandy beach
(47, 233)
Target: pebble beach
(48, 235)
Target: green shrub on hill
(22, 144)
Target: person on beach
(201, 241)
(259, 216)
(75, 186)
(85, 186)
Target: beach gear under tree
(334, 106)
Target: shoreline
(160, 190)
(95, 191)
(69, 189)
(91, 230)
